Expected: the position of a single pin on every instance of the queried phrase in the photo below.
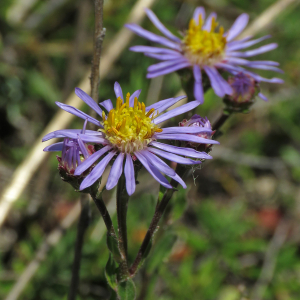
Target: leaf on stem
(126, 290)
(111, 272)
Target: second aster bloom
(203, 48)
(129, 132)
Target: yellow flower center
(203, 47)
(129, 128)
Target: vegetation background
(232, 235)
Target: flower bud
(198, 121)
(245, 88)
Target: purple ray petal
(165, 104)
(107, 104)
(152, 37)
(135, 94)
(242, 45)
(70, 133)
(164, 56)
(174, 157)
(161, 27)
(266, 62)
(168, 70)
(199, 11)
(82, 148)
(118, 90)
(54, 147)
(97, 171)
(166, 64)
(76, 112)
(92, 139)
(262, 96)
(153, 171)
(177, 129)
(115, 172)
(236, 61)
(88, 100)
(218, 83)
(254, 52)
(157, 163)
(129, 175)
(238, 26)
(91, 160)
(186, 137)
(181, 151)
(176, 111)
(263, 67)
(179, 180)
(198, 88)
(207, 24)
(149, 49)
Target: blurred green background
(232, 235)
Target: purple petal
(179, 180)
(153, 171)
(115, 172)
(242, 45)
(165, 105)
(218, 83)
(168, 70)
(70, 133)
(91, 160)
(236, 61)
(186, 137)
(254, 52)
(76, 112)
(164, 56)
(92, 139)
(82, 148)
(263, 67)
(88, 100)
(107, 104)
(198, 88)
(54, 147)
(157, 163)
(238, 26)
(152, 37)
(165, 64)
(161, 27)
(207, 24)
(129, 175)
(176, 111)
(177, 129)
(174, 157)
(135, 94)
(266, 62)
(118, 90)
(97, 171)
(150, 49)
(199, 11)
(181, 151)
(262, 96)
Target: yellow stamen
(130, 128)
(204, 47)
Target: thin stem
(104, 213)
(98, 40)
(122, 203)
(160, 208)
(82, 226)
(220, 121)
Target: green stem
(122, 204)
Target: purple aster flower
(131, 132)
(202, 48)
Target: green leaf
(112, 244)
(111, 273)
(126, 290)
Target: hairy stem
(82, 226)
